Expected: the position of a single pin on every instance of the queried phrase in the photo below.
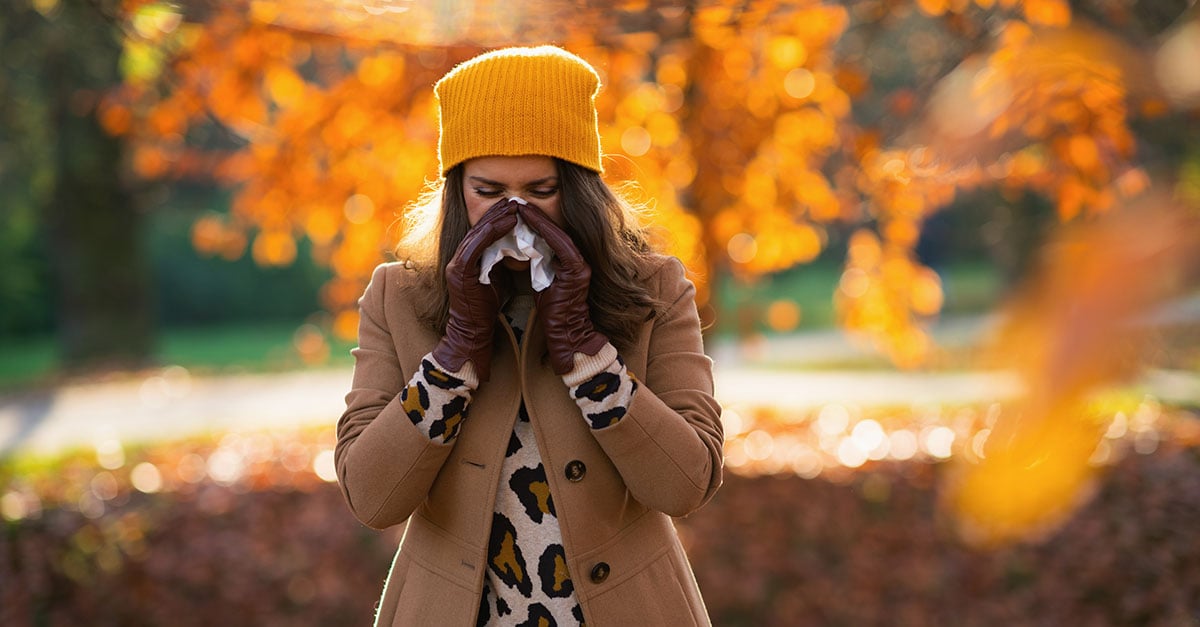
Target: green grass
(244, 347)
(222, 348)
(742, 305)
(969, 288)
(24, 360)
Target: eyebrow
(541, 181)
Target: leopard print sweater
(527, 582)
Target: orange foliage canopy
(734, 118)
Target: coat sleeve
(668, 446)
(385, 463)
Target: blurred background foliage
(898, 140)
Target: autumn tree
(756, 131)
(743, 122)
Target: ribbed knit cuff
(588, 366)
(466, 374)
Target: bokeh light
(146, 477)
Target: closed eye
(540, 188)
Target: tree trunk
(92, 222)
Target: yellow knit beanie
(519, 101)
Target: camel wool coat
(615, 489)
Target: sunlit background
(947, 252)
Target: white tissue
(521, 244)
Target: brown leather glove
(473, 305)
(563, 306)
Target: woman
(537, 442)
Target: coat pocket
(655, 596)
(428, 598)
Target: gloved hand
(473, 305)
(563, 306)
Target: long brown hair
(602, 225)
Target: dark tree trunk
(92, 222)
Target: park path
(171, 403)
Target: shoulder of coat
(664, 270)
(402, 275)
(653, 264)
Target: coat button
(575, 470)
(600, 572)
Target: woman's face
(534, 178)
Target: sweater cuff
(466, 375)
(588, 366)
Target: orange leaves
(348, 123)
(150, 161)
(771, 242)
(819, 25)
(1041, 12)
(1071, 197)
(926, 296)
(115, 116)
(212, 235)
(168, 119)
(1078, 107)
(274, 248)
(885, 295)
(1029, 480)
(331, 152)
(816, 196)
(783, 316)
(1081, 152)
(1046, 111)
(641, 119)
(806, 130)
(321, 227)
(1047, 12)
(1075, 326)
(284, 85)
(713, 26)
(933, 7)
(1071, 331)
(381, 69)
(902, 185)
(737, 122)
(879, 293)
(766, 116)
(345, 325)
(786, 52)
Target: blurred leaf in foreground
(1077, 327)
